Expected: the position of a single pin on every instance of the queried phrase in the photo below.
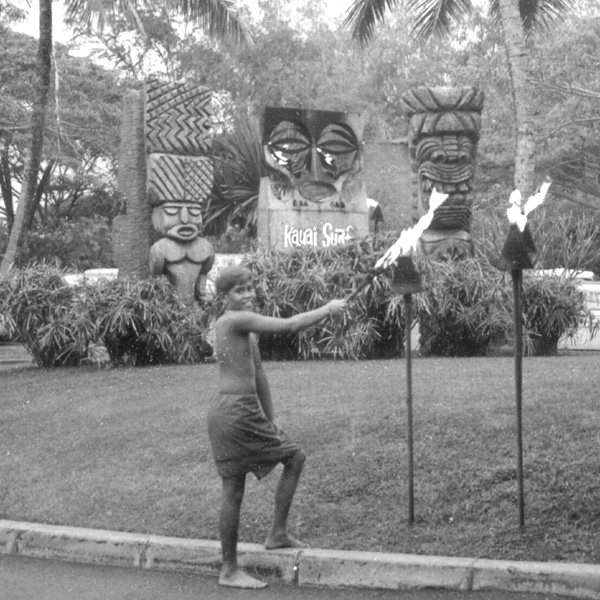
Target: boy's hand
(337, 307)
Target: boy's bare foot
(239, 579)
(283, 541)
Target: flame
(516, 214)
(409, 238)
(535, 200)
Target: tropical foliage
(553, 308)
(464, 307)
(216, 17)
(135, 322)
(302, 280)
(238, 160)
(75, 180)
(143, 323)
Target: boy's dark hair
(229, 277)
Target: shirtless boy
(241, 426)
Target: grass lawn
(127, 449)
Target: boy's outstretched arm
(253, 322)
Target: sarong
(243, 440)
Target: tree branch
(567, 124)
(568, 89)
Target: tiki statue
(443, 137)
(180, 178)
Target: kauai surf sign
(327, 235)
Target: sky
(334, 9)
(59, 32)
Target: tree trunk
(34, 204)
(5, 178)
(38, 116)
(525, 122)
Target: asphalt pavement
(23, 578)
(144, 557)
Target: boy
(241, 427)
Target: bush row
(134, 322)
(465, 308)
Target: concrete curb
(309, 566)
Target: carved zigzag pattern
(178, 118)
(174, 178)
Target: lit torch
(516, 257)
(406, 281)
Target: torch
(516, 256)
(406, 281)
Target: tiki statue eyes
(312, 154)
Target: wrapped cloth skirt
(243, 440)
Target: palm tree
(518, 19)
(217, 17)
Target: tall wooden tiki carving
(443, 137)
(165, 178)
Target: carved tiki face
(315, 155)
(446, 162)
(180, 221)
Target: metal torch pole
(407, 334)
(517, 280)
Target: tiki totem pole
(314, 193)
(180, 179)
(166, 178)
(443, 137)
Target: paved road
(23, 578)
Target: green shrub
(467, 305)
(48, 316)
(553, 307)
(463, 307)
(142, 322)
(138, 322)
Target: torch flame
(517, 215)
(409, 238)
(535, 200)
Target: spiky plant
(50, 318)
(462, 307)
(238, 163)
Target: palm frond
(535, 14)
(363, 16)
(437, 18)
(218, 18)
(94, 14)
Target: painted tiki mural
(314, 194)
(443, 137)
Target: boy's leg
(284, 494)
(229, 522)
